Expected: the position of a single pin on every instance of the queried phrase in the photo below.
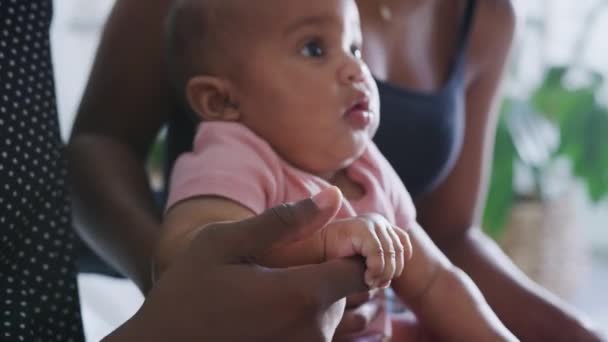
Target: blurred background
(548, 201)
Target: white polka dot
(35, 188)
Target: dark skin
(128, 99)
(210, 286)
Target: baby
(288, 109)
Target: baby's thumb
(284, 223)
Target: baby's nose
(352, 71)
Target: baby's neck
(350, 189)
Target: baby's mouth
(359, 114)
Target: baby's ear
(212, 99)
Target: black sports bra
(421, 133)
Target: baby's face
(303, 86)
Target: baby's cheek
(375, 108)
(408, 209)
(373, 128)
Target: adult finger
(356, 321)
(358, 299)
(290, 221)
(330, 281)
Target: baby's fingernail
(324, 198)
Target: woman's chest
(413, 50)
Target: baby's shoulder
(234, 141)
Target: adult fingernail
(324, 198)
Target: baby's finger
(371, 250)
(386, 239)
(404, 237)
(399, 251)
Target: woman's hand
(213, 292)
(361, 309)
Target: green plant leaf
(557, 102)
(591, 166)
(500, 195)
(583, 127)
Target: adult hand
(359, 313)
(213, 292)
(362, 308)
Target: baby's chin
(328, 169)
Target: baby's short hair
(197, 38)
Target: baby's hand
(384, 246)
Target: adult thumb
(284, 223)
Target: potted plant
(537, 223)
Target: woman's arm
(527, 310)
(207, 294)
(126, 102)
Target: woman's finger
(287, 222)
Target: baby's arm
(185, 219)
(444, 298)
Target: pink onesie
(231, 161)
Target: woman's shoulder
(493, 31)
(500, 13)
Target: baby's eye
(356, 51)
(313, 49)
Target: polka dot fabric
(38, 293)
